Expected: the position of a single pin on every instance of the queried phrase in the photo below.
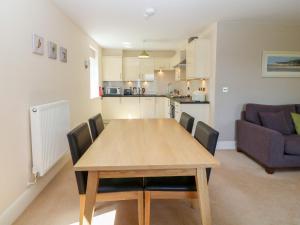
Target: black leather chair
(96, 126)
(124, 188)
(179, 187)
(186, 121)
(208, 137)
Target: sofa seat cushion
(292, 144)
(275, 121)
(252, 113)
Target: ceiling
(113, 22)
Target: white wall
(239, 58)
(27, 79)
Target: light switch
(225, 89)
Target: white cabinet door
(111, 108)
(131, 68)
(112, 68)
(146, 69)
(197, 59)
(159, 107)
(162, 63)
(177, 111)
(167, 106)
(147, 107)
(130, 108)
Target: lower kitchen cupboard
(199, 111)
(111, 108)
(160, 107)
(147, 107)
(130, 108)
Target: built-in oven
(113, 91)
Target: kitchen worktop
(181, 100)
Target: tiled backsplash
(164, 83)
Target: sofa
(268, 147)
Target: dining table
(146, 148)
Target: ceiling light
(144, 55)
(149, 12)
(127, 44)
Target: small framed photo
(281, 64)
(52, 50)
(63, 54)
(37, 44)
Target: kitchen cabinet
(147, 107)
(138, 69)
(131, 68)
(197, 59)
(167, 108)
(111, 108)
(112, 68)
(199, 111)
(162, 63)
(130, 108)
(159, 107)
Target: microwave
(113, 91)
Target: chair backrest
(96, 125)
(79, 141)
(208, 137)
(187, 122)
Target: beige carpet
(241, 194)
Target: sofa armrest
(261, 143)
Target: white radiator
(50, 124)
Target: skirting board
(226, 145)
(10, 214)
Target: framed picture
(37, 44)
(63, 54)
(52, 50)
(281, 64)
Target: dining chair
(183, 187)
(96, 126)
(110, 189)
(187, 121)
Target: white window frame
(94, 74)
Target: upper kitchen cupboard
(135, 69)
(112, 68)
(197, 59)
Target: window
(94, 74)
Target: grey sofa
(270, 148)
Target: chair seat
(120, 184)
(187, 183)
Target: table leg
(203, 196)
(90, 199)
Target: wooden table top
(143, 144)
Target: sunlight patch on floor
(107, 218)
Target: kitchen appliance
(113, 91)
(198, 96)
(127, 91)
(172, 109)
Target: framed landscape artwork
(281, 64)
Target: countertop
(181, 100)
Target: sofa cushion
(297, 108)
(296, 120)
(252, 110)
(292, 144)
(275, 121)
